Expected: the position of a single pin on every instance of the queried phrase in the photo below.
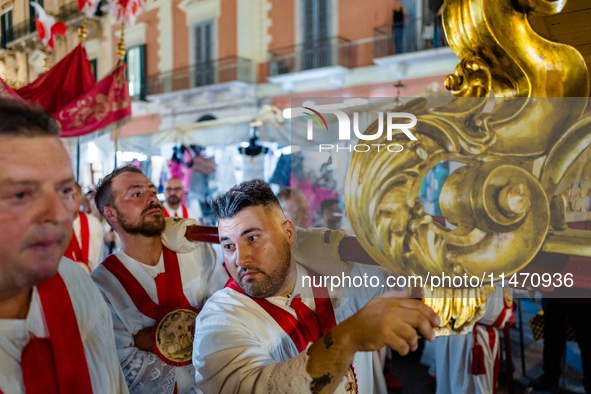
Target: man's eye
(67, 190)
(20, 195)
(228, 246)
(252, 238)
(136, 194)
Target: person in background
(399, 18)
(295, 206)
(56, 331)
(111, 241)
(174, 192)
(87, 238)
(330, 214)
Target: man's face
(137, 210)
(36, 209)
(333, 213)
(174, 192)
(257, 250)
(300, 210)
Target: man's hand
(390, 321)
(143, 340)
(385, 321)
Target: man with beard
(55, 329)
(174, 192)
(146, 284)
(271, 331)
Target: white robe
(95, 243)
(144, 372)
(239, 348)
(179, 212)
(94, 322)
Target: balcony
(21, 31)
(420, 41)
(68, 12)
(326, 52)
(228, 69)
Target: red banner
(106, 103)
(66, 81)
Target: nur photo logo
(344, 133)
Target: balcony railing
(414, 36)
(330, 51)
(68, 12)
(21, 30)
(228, 69)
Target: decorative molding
(200, 10)
(134, 35)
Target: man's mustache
(244, 270)
(153, 206)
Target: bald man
(174, 192)
(295, 206)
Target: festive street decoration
(47, 27)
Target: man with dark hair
(55, 331)
(330, 214)
(295, 206)
(87, 238)
(275, 329)
(148, 287)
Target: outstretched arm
(229, 358)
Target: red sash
(74, 251)
(56, 365)
(185, 212)
(309, 326)
(168, 285)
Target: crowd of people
(127, 327)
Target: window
(32, 15)
(316, 44)
(136, 71)
(94, 68)
(204, 64)
(6, 34)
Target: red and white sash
(56, 365)
(478, 363)
(169, 286)
(75, 251)
(185, 212)
(309, 326)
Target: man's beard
(146, 228)
(267, 284)
(173, 200)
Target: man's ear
(110, 215)
(290, 228)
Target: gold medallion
(174, 335)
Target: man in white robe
(127, 199)
(94, 236)
(39, 289)
(243, 340)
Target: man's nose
(243, 255)
(153, 199)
